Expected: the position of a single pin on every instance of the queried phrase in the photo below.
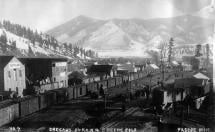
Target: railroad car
(131, 76)
(75, 92)
(103, 83)
(92, 87)
(78, 90)
(33, 104)
(135, 76)
(111, 82)
(8, 112)
(125, 78)
(43, 101)
(118, 80)
(83, 90)
(70, 91)
(51, 98)
(139, 75)
(157, 96)
(23, 106)
(61, 95)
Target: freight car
(9, 111)
(118, 80)
(111, 82)
(28, 105)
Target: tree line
(43, 40)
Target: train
(13, 109)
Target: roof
(38, 59)
(104, 69)
(201, 76)
(187, 82)
(125, 67)
(153, 66)
(4, 60)
(175, 63)
(140, 65)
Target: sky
(46, 14)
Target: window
(15, 74)
(80, 90)
(9, 74)
(54, 79)
(20, 73)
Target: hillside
(20, 41)
(133, 37)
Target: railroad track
(114, 121)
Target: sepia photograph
(107, 66)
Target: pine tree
(198, 50)
(170, 47)
(3, 43)
(207, 53)
(13, 45)
(30, 51)
(3, 39)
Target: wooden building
(46, 73)
(12, 75)
(126, 68)
(59, 73)
(104, 71)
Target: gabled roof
(4, 60)
(175, 63)
(125, 67)
(187, 82)
(201, 76)
(104, 69)
(152, 66)
(139, 65)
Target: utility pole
(182, 108)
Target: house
(151, 68)
(59, 74)
(193, 86)
(12, 75)
(104, 71)
(126, 68)
(140, 67)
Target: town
(34, 86)
(90, 74)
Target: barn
(12, 75)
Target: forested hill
(21, 41)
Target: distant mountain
(133, 37)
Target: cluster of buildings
(19, 74)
